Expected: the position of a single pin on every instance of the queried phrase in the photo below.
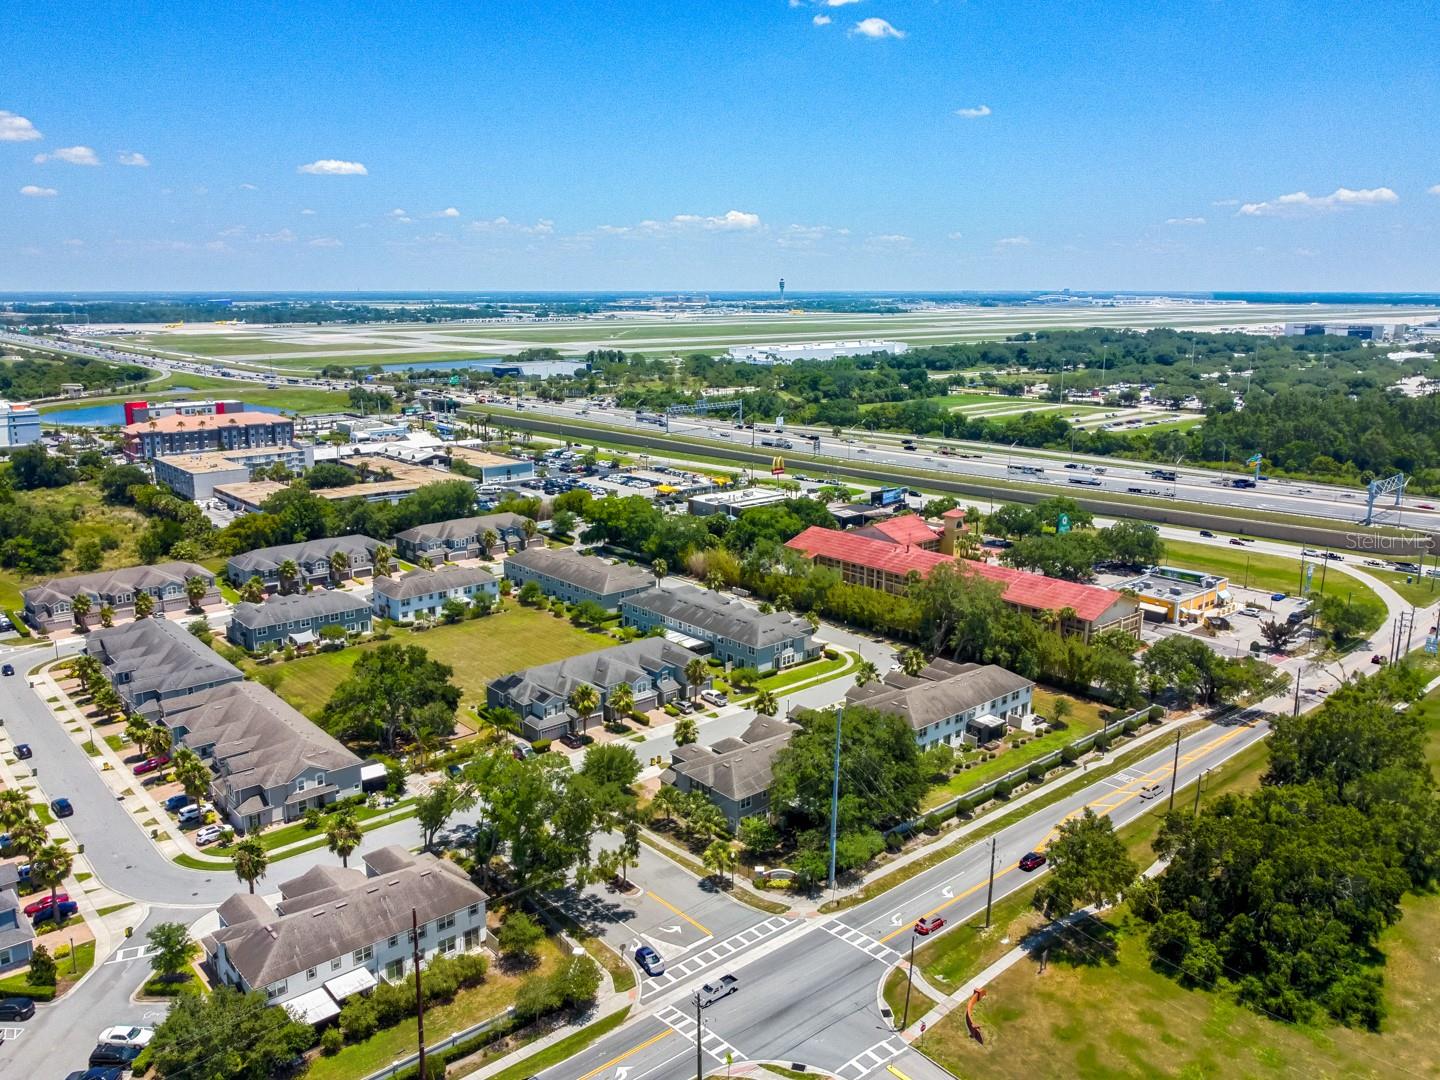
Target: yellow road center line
(633, 1050)
(666, 903)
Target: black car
(8, 669)
(16, 1008)
(112, 1056)
(96, 1074)
(23, 751)
(61, 807)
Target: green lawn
(558, 1051)
(469, 1007)
(271, 839)
(478, 649)
(1422, 592)
(1082, 721)
(1260, 570)
(895, 986)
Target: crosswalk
(684, 1024)
(713, 954)
(866, 944)
(871, 1059)
(10, 1034)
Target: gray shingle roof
(603, 669)
(589, 572)
(160, 656)
(422, 582)
(942, 690)
(297, 607)
(736, 768)
(721, 616)
(463, 528)
(259, 740)
(359, 911)
(107, 583)
(270, 558)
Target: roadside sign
(1062, 524)
(778, 466)
(1254, 459)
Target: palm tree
(155, 740)
(343, 834)
(106, 700)
(29, 837)
(195, 590)
(584, 700)
(384, 555)
(529, 529)
(659, 569)
(865, 673)
(339, 563)
(766, 703)
(87, 670)
(714, 581)
(288, 573)
(80, 604)
(696, 672)
(718, 857)
(49, 867)
(107, 616)
(912, 662)
(144, 605)
(135, 729)
(426, 563)
(192, 773)
(488, 539)
(14, 808)
(253, 591)
(251, 861)
(687, 731)
(620, 701)
(667, 801)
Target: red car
(929, 926)
(1425, 506)
(1031, 860)
(43, 904)
(151, 764)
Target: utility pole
(909, 982)
(1174, 773)
(835, 795)
(699, 1063)
(989, 892)
(1199, 783)
(419, 997)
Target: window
(274, 990)
(474, 910)
(394, 940)
(447, 945)
(361, 956)
(319, 778)
(310, 975)
(472, 940)
(395, 970)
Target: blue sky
(880, 144)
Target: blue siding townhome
(958, 704)
(421, 594)
(296, 619)
(576, 578)
(17, 938)
(736, 632)
(464, 538)
(150, 660)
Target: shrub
(640, 718)
(540, 745)
(331, 1041)
(964, 806)
(1157, 713)
(313, 818)
(42, 968)
(1102, 742)
(1038, 771)
(358, 1019)
(1003, 789)
(931, 823)
(470, 969)
(1069, 755)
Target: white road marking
(722, 950)
(871, 1059)
(130, 952)
(9, 1034)
(684, 1025)
(866, 944)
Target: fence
(975, 796)
(440, 1047)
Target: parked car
(1031, 860)
(59, 913)
(1151, 791)
(127, 1035)
(37, 906)
(176, 802)
(208, 834)
(61, 807)
(16, 1008)
(522, 751)
(1379, 659)
(108, 1055)
(96, 1074)
(714, 697)
(189, 814)
(23, 751)
(649, 960)
(1278, 596)
(720, 989)
(928, 926)
(151, 764)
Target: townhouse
(313, 560)
(735, 632)
(735, 774)
(955, 704)
(421, 594)
(151, 660)
(51, 606)
(576, 578)
(297, 619)
(463, 538)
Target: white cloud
(233, 230)
(284, 236)
(73, 243)
(1185, 221)
(1012, 242)
(71, 155)
(308, 212)
(731, 219)
(16, 128)
(542, 227)
(131, 157)
(974, 114)
(891, 240)
(1226, 202)
(331, 167)
(876, 28)
(34, 192)
(821, 20)
(249, 187)
(326, 242)
(1434, 190)
(840, 3)
(1300, 202)
(954, 236)
(801, 236)
(400, 216)
(449, 211)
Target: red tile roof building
(864, 560)
(909, 530)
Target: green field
(300, 399)
(1260, 570)
(1422, 592)
(478, 649)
